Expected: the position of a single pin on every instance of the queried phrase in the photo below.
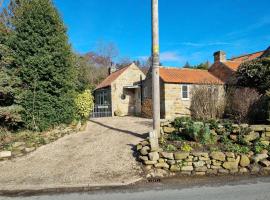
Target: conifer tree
(9, 84)
(44, 57)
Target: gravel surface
(102, 155)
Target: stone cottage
(129, 92)
(120, 92)
(176, 84)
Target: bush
(10, 117)
(84, 104)
(207, 102)
(179, 122)
(260, 110)
(186, 148)
(255, 74)
(240, 102)
(198, 131)
(170, 148)
(147, 110)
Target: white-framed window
(185, 92)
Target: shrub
(255, 74)
(10, 116)
(207, 102)
(206, 136)
(147, 110)
(179, 122)
(260, 110)
(258, 147)
(170, 148)
(198, 131)
(186, 148)
(236, 148)
(84, 104)
(240, 102)
(175, 137)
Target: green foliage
(175, 137)
(44, 59)
(258, 147)
(84, 104)
(206, 136)
(214, 149)
(170, 148)
(236, 148)
(162, 140)
(203, 66)
(192, 130)
(232, 147)
(89, 75)
(213, 124)
(228, 125)
(255, 74)
(225, 140)
(180, 122)
(10, 111)
(186, 148)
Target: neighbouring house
(120, 92)
(225, 69)
(176, 84)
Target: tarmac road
(257, 188)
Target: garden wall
(207, 162)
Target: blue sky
(189, 30)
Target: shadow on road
(142, 136)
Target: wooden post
(155, 73)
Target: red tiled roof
(112, 77)
(247, 57)
(233, 65)
(193, 76)
(235, 62)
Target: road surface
(248, 189)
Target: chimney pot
(220, 56)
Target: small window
(185, 92)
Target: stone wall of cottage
(128, 101)
(174, 105)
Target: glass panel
(185, 92)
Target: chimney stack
(220, 56)
(112, 68)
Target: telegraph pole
(155, 70)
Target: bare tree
(108, 51)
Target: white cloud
(265, 21)
(198, 44)
(170, 56)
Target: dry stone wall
(208, 163)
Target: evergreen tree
(44, 57)
(187, 65)
(9, 84)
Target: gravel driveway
(100, 155)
